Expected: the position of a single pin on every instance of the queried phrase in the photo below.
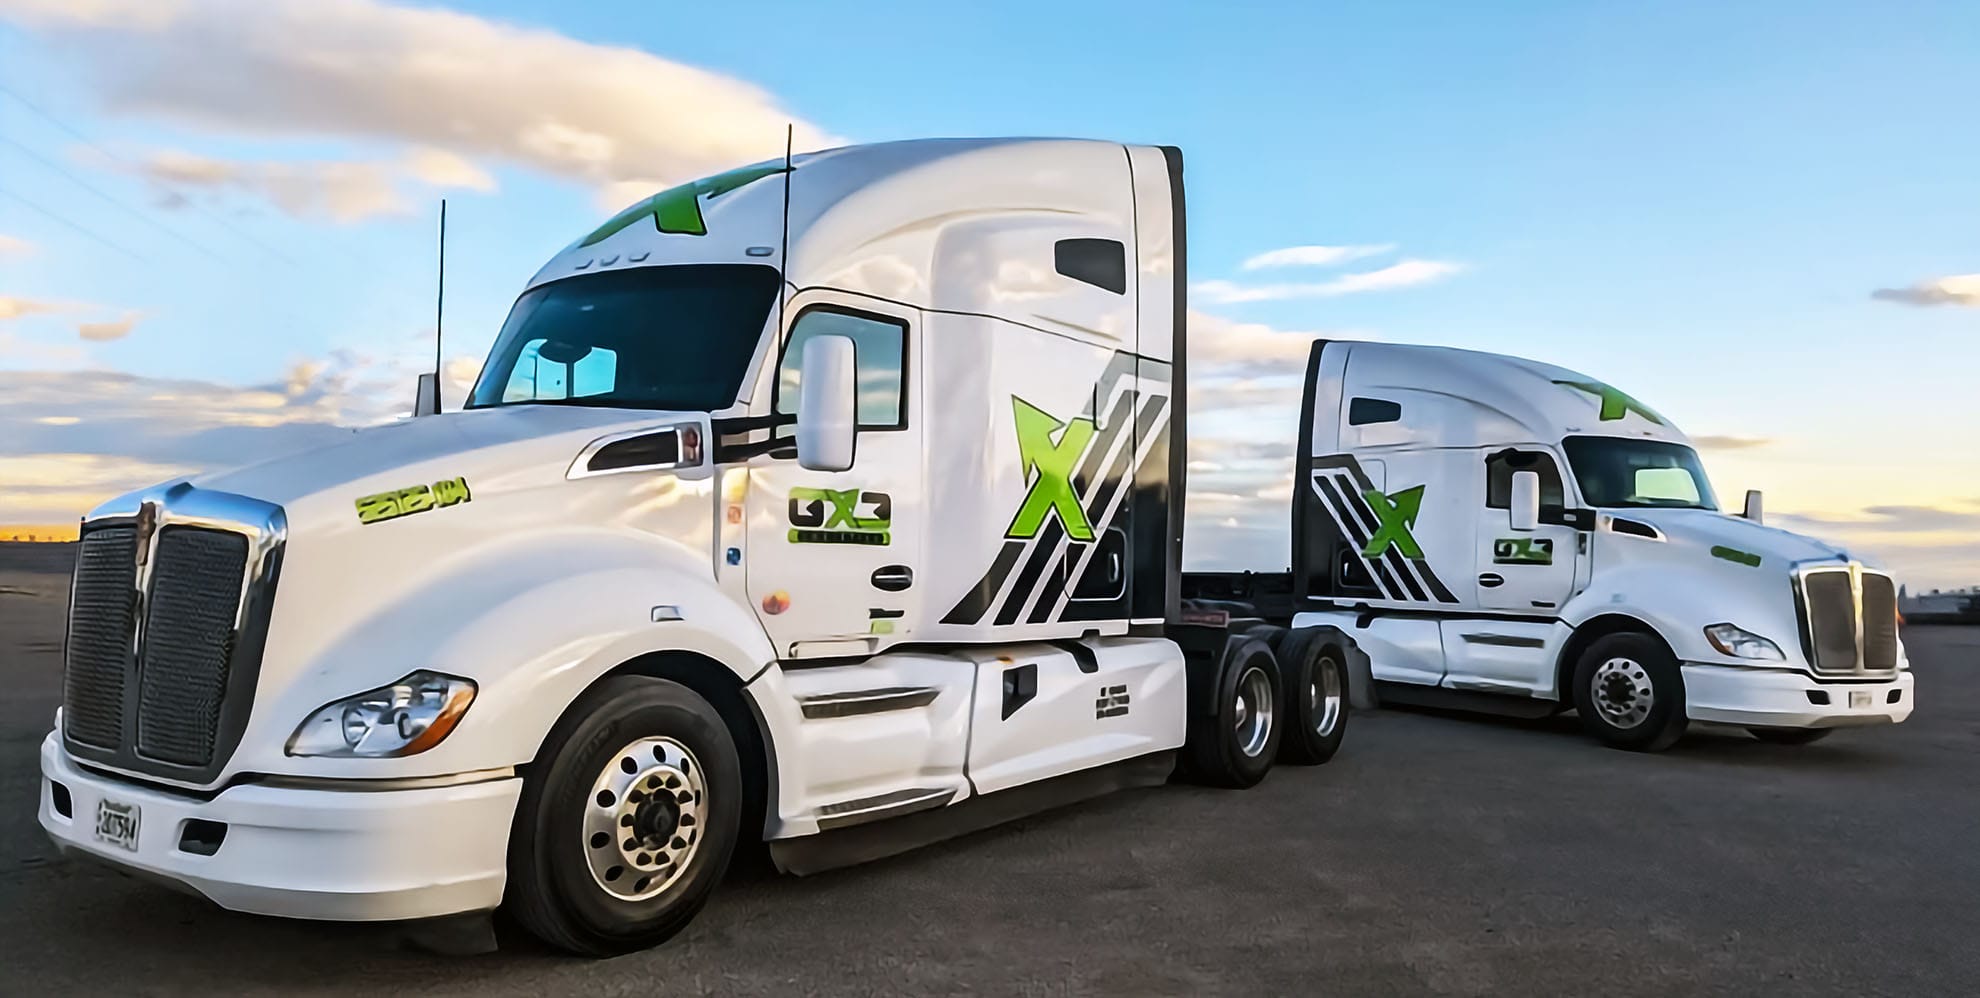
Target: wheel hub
(1622, 692)
(642, 825)
(1324, 697)
(1252, 713)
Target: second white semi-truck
(835, 503)
(1507, 535)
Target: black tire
(1222, 747)
(553, 891)
(1789, 736)
(1315, 703)
(1609, 680)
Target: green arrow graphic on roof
(677, 210)
(1615, 404)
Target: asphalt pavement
(1438, 854)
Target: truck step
(849, 703)
(888, 805)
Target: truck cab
(811, 503)
(1509, 535)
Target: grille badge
(147, 524)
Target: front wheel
(1789, 736)
(1629, 693)
(627, 819)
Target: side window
(1499, 470)
(553, 369)
(1099, 262)
(1363, 411)
(879, 353)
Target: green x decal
(1615, 404)
(678, 209)
(1395, 514)
(1049, 465)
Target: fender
(1680, 613)
(534, 623)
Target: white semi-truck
(1507, 535)
(834, 502)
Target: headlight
(405, 718)
(1741, 643)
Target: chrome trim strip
(856, 702)
(1506, 640)
(887, 805)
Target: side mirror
(426, 398)
(1524, 509)
(828, 404)
(1752, 511)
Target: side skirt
(1439, 698)
(830, 850)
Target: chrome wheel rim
(1253, 711)
(643, 823)
(1323, 697)
(1622, 692)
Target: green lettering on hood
(1737, 556)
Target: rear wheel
(1629, 693)
(1316, 698)
(1789, 736)
(1233, 744)
(627, 820)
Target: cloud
(344, 191)
(1313, 256)
(1892, 519)
(1959, 289)
(470, 86)
(14, 246)
(1402, 274)
(1712, 441)
(15, 307)
(106, 331)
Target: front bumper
(1767, 698)
(342, 855)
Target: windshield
(674, 337)
(1639, 473)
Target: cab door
(833, 556)
(1528, 572)
(1523, 578)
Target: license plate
(117, 824)
(1859, 698)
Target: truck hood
(497, 450)
(1707, 530)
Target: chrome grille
(1848, 619)
(1880, 623)
(98, 659)
(188, 642)
(168, 612)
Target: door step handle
(892, 578)
(1491, 580)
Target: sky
(217, 217)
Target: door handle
(1491, 580)
(892, 578)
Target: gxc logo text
(833, 516)
(417, 499)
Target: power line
(113, 201)
(194, 204)
(127, 251)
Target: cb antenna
(784, 250)
(440, 305)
